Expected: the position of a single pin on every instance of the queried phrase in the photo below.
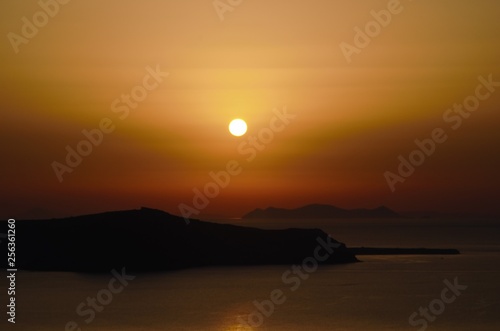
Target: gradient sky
(352, 120)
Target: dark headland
(153, 240)
(322, 211)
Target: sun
(238, 127)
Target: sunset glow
(104, 111)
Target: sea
(400, 292)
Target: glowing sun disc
(238, 127)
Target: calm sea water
(379, 294)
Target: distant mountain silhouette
(321, 211)
(150, 240)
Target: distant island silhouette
(153, 240)
(321, 211)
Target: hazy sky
(354, 115)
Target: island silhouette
(153, 240)
(321, 211)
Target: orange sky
(352, 120)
